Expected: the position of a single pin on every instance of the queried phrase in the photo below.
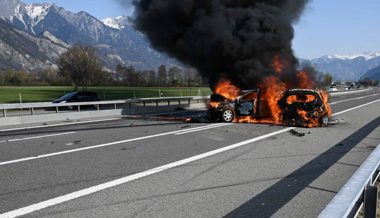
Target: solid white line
(107, 185)
(201, 129)
(59, 124)
(94, 147)
(354, 108)
(351, 99)
(37, 137)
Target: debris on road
(186, 126)
(334, 122)
(298, 134)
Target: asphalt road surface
(150, 168)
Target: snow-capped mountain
(347, 67)
(366, 55)
(115, 38)
(120, 22)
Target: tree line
(80, 67)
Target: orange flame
(277, 64)
(272, 90)
(227, 90)
(305, 82)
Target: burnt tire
(324, 121)
(227, 115)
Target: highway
(126, 167)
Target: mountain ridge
(123, 46)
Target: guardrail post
(156, 103)
(144, 103)
(5, 112)
(97, 107)
(56, 110)
(189, 101)
(370, 202)
(168, 102)
(115, 106)
(32, 111)
(78, 108)
(179, 101)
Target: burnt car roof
(302, 91)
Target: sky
(327, 27)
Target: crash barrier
(32, 107)
(359, 192)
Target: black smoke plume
(237, 39)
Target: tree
(174, 75)
(152, 78)
(81, 65)
(327, 79)
(162, 75)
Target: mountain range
(116, 39)
(34, 35)
(346, 67)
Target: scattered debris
(335, 121)
(298, 134)
(69, 144)
(186, 126)
(77, 142)
(339, 145)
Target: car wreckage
(298, 107)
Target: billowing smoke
(236, 39)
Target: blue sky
(327, 27)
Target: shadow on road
(275, 197)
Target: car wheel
(228, 115)
(323, 121)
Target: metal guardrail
(360, 191)
(43, 105)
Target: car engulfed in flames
(294, 107)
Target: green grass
(10, 94)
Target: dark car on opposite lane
(73, 97)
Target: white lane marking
(58, 124)
(201, 129)
(37, 137)
(96, 146)
(354, 108)
(351, 99)
(107, 185)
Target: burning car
(304, 107)
(299, 107)
(226, 110)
